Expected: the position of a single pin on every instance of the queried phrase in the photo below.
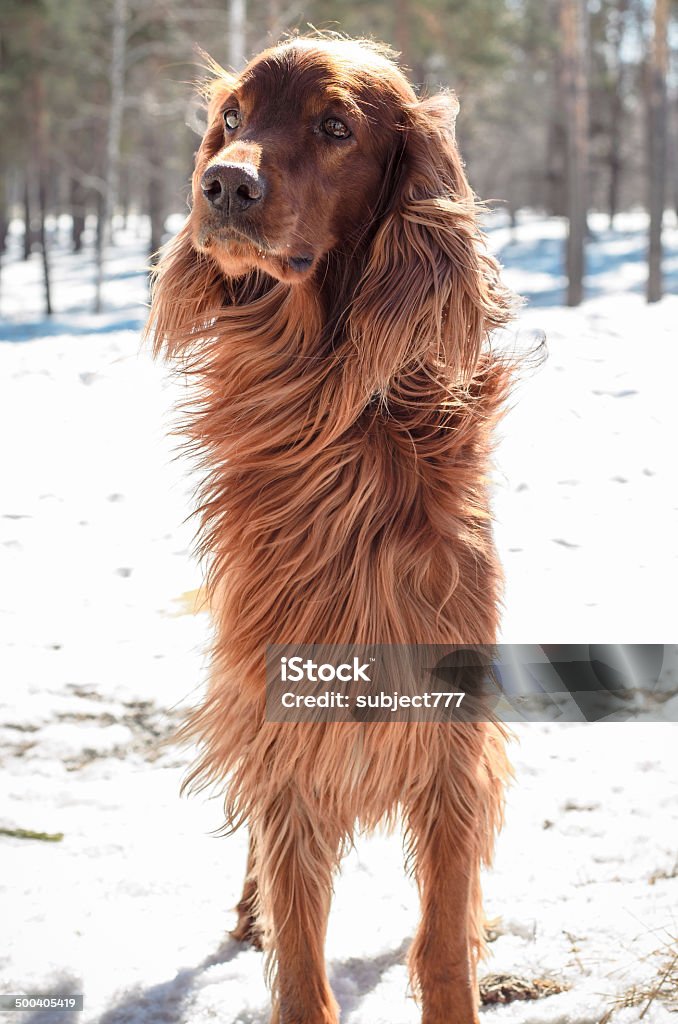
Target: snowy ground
(101, 650)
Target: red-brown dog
(331, 298)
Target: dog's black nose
(232, 188)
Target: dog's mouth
(238, 245)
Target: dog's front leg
(296, 855)
(443, 954)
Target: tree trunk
(4, 223)
(556, 200)
(42, 200)
(156, 198)
(616, 111)
(77, 203)
(573, 14)
(555, 157)
(4, 212)
(657, 124)
(99, 204)
(28, 238)
(237, 42)
(117, 101)
(124, 198)
(615, 162)
(40, 149)
(156, 214)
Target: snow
(102, 652)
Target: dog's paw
(248, 932)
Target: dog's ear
(429, 291)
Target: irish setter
(330, 299)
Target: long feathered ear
(430, 293)
(187, 287)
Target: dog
(330, 299)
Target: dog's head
(321, 169)
(297, 155)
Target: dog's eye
(335, 128)
(232, 119)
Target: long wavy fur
(346, 454)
